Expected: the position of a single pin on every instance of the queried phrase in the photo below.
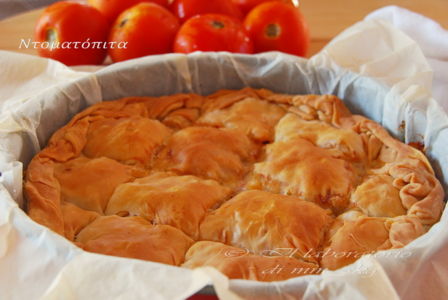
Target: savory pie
(259, 185)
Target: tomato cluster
(146, 27)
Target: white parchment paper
(377, 70)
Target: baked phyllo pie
(261, 186)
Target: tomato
(112, 8)
(212, 32)
(185, 9)
(147, 28)
(277, 26)
(247, 5)
(65, 26)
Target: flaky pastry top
(246, 181)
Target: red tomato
(112, 8)
(276, 26)
(212, 32)
(65, 26)
(185, 9)
(147, 28)
(247, 5)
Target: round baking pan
(37, 119)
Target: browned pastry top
(259, 185)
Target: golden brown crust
(89, 183)
(297, 167)
(237, 263)
(75, 219)
(354, 238)
(378, 197)
(175, 161)
(354, 234)
(133, 140)
(256, 118)
(220, 154)
(261, 222)
(134, 237)
(164, 198)
(43, 193)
